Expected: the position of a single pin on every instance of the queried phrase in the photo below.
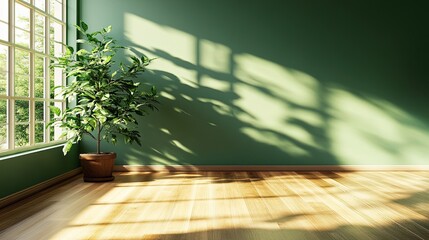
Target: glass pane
(39, 43)
(22, 62)
(22, 73)
(22, 17)
(40, 4)
(21, 85)
(39, 88)
(3, 69)
(4, 31)
(56, 79)
(56, 9)
(3, 125)
(22, 38)
(4, 13)
(39, 66)
(40, 24)
(21, 135)
(55, 132)
(3, 83)
(39, 77)
(39, 132)
(56, 49)
(56, 32)
(39, 38)
(40, 111)
(3, 58)
(22, 110)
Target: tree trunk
(99, 138)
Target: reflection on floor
(228, 205)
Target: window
(32, 34)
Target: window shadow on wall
(303, 85)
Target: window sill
(29, 150)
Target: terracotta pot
(97, 167)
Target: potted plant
(107, 99)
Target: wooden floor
(228, 205)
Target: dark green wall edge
(28, 169)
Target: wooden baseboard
(38, 187)
(196, 168)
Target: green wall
(23, 170)
(277, 82)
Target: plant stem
(99, 138)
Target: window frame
(10, 97)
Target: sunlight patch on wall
(181, 146)
(211, 82)
(167, 95)
(273, 98)
(276, 80)
(218, 106)
(370, 129)
(274, 140)
(161, 160)
(214, 56)
(174, 49)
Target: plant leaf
(67, 147)
(107, 29)
(84, 26)
(55, 110)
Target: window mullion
(32, 116)
(11, 78)
(47, 75)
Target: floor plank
(227, 205)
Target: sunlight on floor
(170, 204)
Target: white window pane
(39, 38)
(39, 67)
(40, 111)
(3, 125)
(56, 79)
(3, 83)
(21, 135)
(4, 73)
(40, 24)
(22, 16)
(39, 77)
(39, 43)
(4, 13)
(21, 85)
(22, 73)
(22, 38)
(56, 8)
(4, 31)
(39, 132)
(58, 49)
(56, 32)
(22, 62)
(40, 4)
(55, 132)
(22, 110)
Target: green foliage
(108, 100)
